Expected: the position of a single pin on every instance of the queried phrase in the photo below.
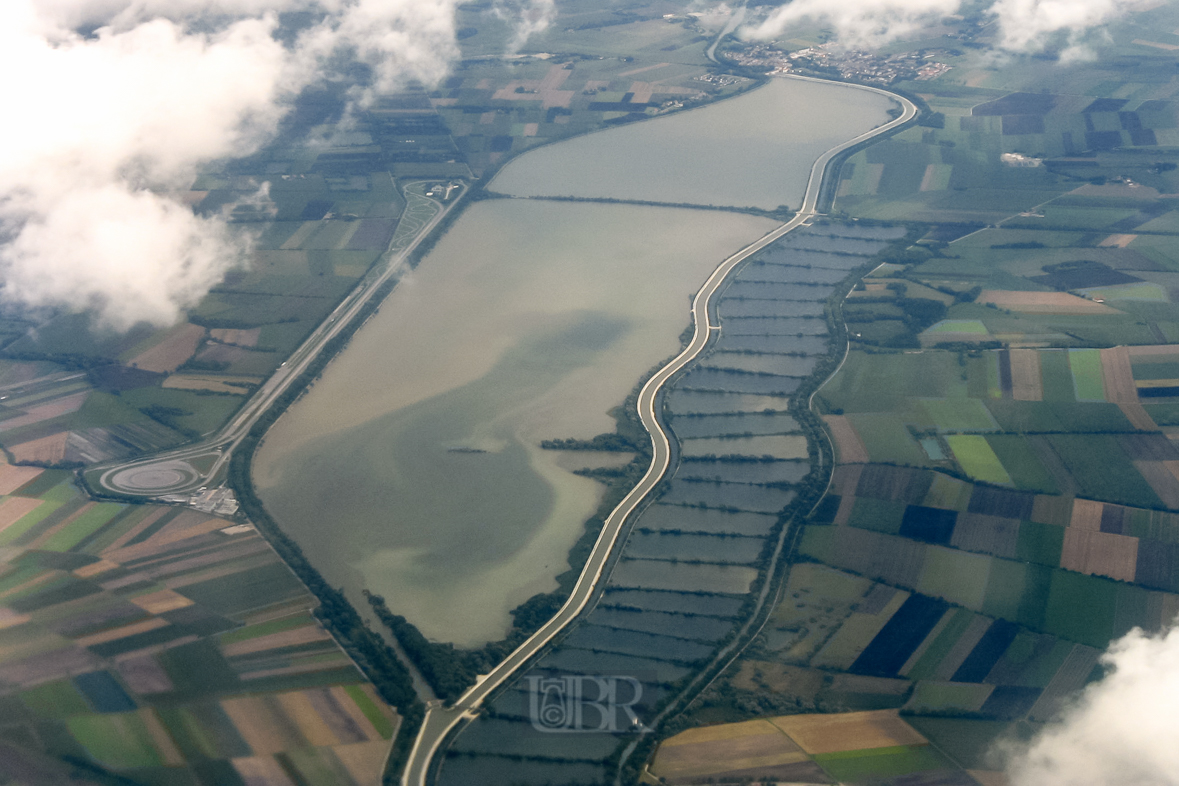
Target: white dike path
(440, 720)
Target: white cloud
(1122, 731)
(402, 40)
(1030, 25)
(99, 131)
(527, 17)
(126, 255)
(104, 127)
(857, 23)
(1024, 25)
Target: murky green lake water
(529, 321)
(412, 467)
(754, 150)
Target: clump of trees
(169, 416)
(445, 668)
(610, 442)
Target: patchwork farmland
(1004, 425)
(163, 645)
(849, 748)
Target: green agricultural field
(869, 765)
(880, 383)
(1163, 414)
(947, 698)
(926, 666)
(105, 409)
(984, 241)
(1151, 293)
(117, 741)
(855, 633)
(1057, 377)
(82, 527)
(968, 741)
(990, 373)
(977, 459)
(1017, 591)
(1103, 470)
(1049, 416)
(1160, 249)
(956, 576)
(1047, 665)
(1040, 543)
(383, 723)
(949, 493)
(267, 628)
(58, 699)
(1082, 608)
(959, 414)
(1021, 463)
(198, 413)
(970, 326)
(17, 529)
(887, 439)
(879, 515)
(1085, 365)
(818, 542)
(1162, 370)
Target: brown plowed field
(1026, 384)
(1043, 302)
(241, 337)
(847, 442)
(13, 477)
(1117, 241)
(49, 450)
(1117, 375)
(1137, 415)
(904, 484)
(1086, 514)
(14, 509)
(286, 638)
(845, 479)
(850, 731)
(719, 749)
(1153, 350)
(1161, 480)
(170, 354)
(1099, 553)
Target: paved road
(174, 472)
(440, 720)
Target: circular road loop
(160, 478)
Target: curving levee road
(440, 720)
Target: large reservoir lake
(755, 150)
(412, 467)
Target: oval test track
(440, 720)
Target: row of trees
(379, 663)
